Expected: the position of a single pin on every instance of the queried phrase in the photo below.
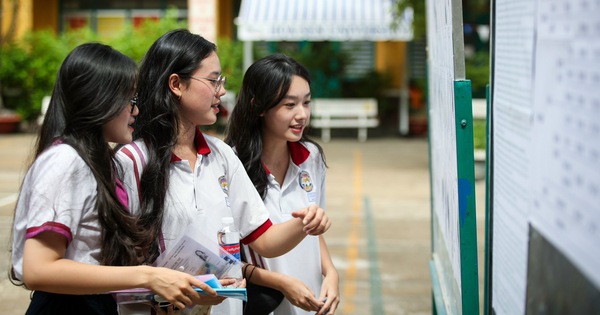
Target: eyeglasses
(134, 102)
(217, 83)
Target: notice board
(544, 210)
(453, 264)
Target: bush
(479, 134)
(477, 70)
(231, 55)
(135, 41)
(28, 67)
(29, 70)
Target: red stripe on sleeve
(135, 170)
(50, 227)
(258, 232)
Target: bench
(327, 113)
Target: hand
(236, 283)
(314, 219)
(300, 295)
(329, 291)
(178, 288)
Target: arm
(45, 268)
(293, 289)
(281, 238)
(330, 286)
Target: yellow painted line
(349, 290)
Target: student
(73, 237)
(183, 176)
(266, 128)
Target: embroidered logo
(224, 184)
(305, 181)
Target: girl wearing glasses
(73, 235)
(288, 169)
(182, 175)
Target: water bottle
(229, 237)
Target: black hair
(265, 84)
(176, 52)
(93, 86)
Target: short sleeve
(58, 194)
(131, 161)
(247, 206)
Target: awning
(317, 20)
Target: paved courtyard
(377, 196)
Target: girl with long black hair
(74, 237)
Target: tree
(472, 11)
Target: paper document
(196, 254)
(141, 295)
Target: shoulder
(132, 152)
(60, 164)
(315, 156)
(218, 147)
(311, 147)
(60, 154)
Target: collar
(298, 152)
(201, 146)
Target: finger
(227, 281)
(325, 308)
(313, 303)
(207, 289)
(309, 217)
(321, 227)
(299, 213)
(334, 306)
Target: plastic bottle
(229, 237)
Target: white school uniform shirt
(58, 195)
(304, 184)
(217, 187)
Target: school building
(362, 28)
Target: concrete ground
(377, 196)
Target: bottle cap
(227, 220)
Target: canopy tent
(317, 20)
(323, 20)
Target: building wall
(390, 57)
(225, 16)
(18, 24)
(45, 15)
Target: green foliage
(419, 20)
(135, 41)
(477, 70)
(471, 8)
(231, 55)
(479, 134)
(73, 38)
(325, 62)
(29, 68)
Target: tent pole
(248, 58)
(403, 109)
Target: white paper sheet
(512, 83)
(566, 154)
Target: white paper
(196, 254)
(566, 153)
(444, 172)
(512, 83)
